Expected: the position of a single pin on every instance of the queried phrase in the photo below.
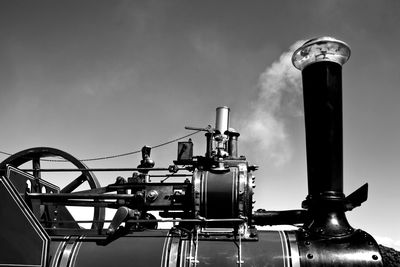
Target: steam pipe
(209, 144)
(233, 143)
(288, 217)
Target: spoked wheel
(36, 154)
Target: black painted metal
(322, 89)
(20, 181)
(357, 249)
(264, 217)
(99, 169)
(326, 238)
(208, 144)
(233, 148)
(219, 198)
(22, 240)
(164, 248)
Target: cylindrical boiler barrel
(187, 249)
(172, 249)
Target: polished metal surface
(319, 50)
(222, 119)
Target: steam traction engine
(210, 210)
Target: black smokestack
(320, 61)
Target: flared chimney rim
(321, 49)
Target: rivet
(310, 256)
(375, 257)
(307, 243)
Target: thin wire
(118, 155)
(5, 153)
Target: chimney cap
(321, 49)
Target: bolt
(152, 195)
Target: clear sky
(97, 78)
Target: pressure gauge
(321, 49)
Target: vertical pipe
(233, 143)
(322, 89)
(222, 120)
(36, 166)
(209, 145)
(320, 61)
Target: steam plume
(279, 98)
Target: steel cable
(117, 155)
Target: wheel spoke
(36, 166)
(74, 184)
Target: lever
(122, 215)
(356, 198)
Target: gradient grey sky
(96, 78)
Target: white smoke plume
(279, 97)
